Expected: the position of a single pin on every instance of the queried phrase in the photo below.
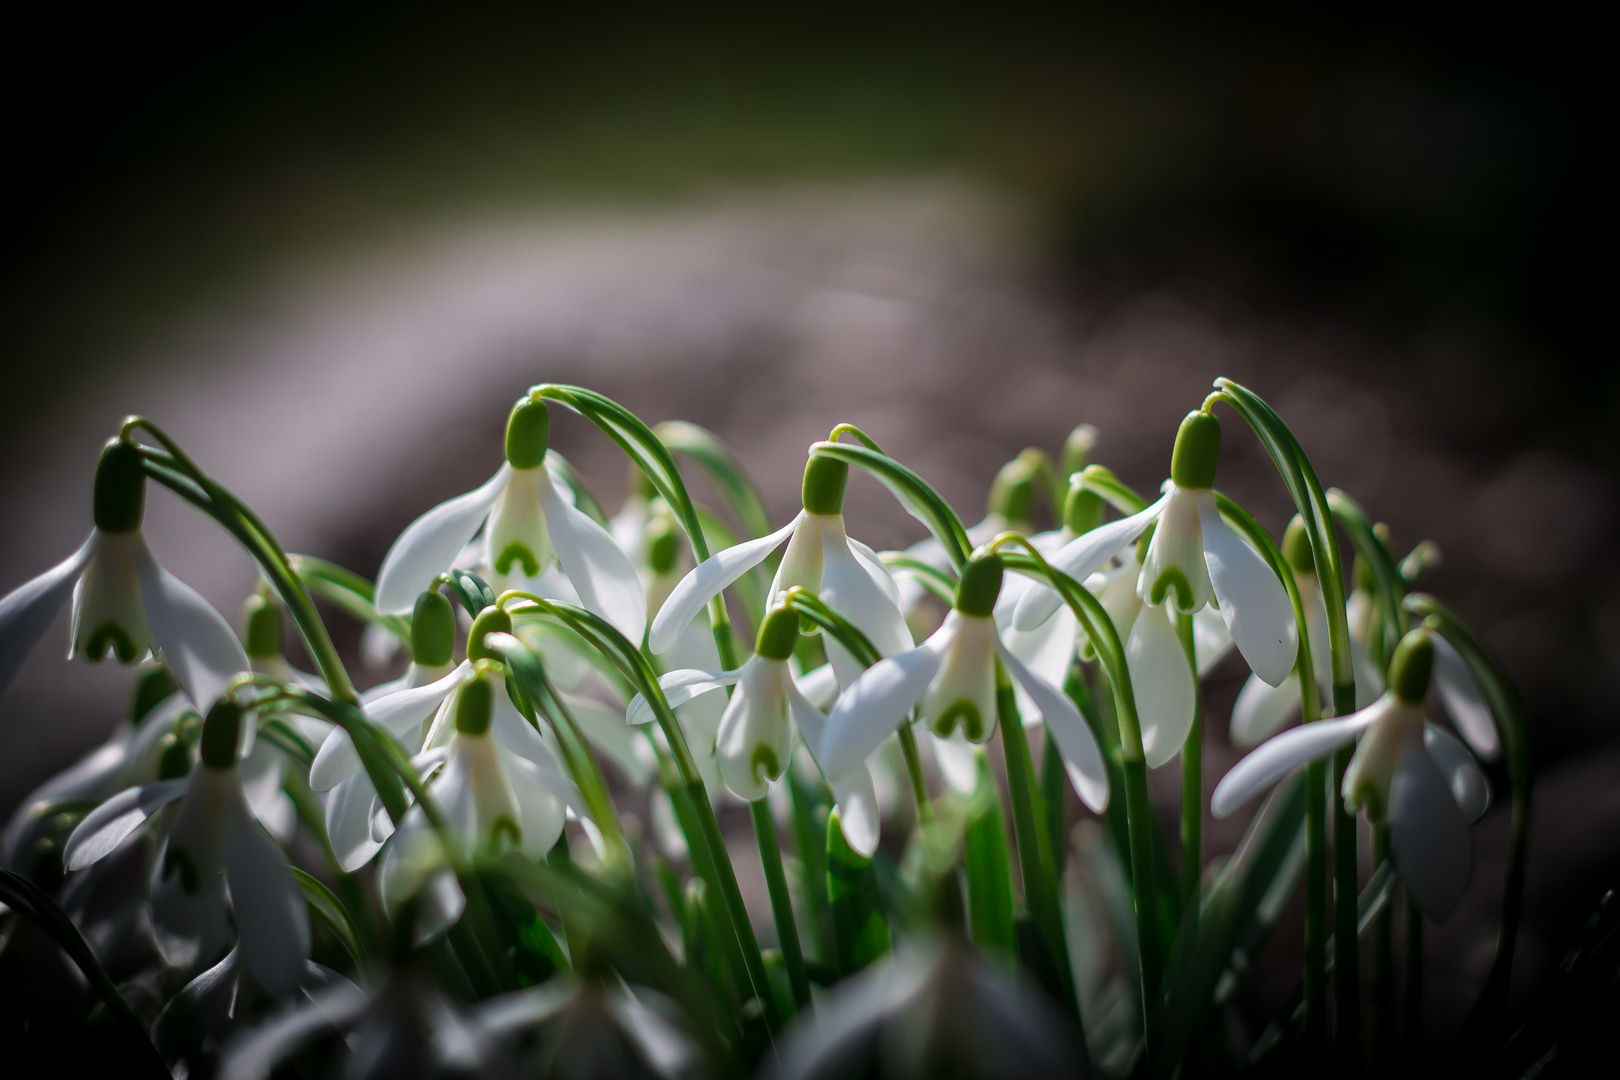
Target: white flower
(952, 674)
(1192, 559)
(493, 799)
(214, 842)
(754, 741)
(846, 574)
(528, 525)
(1416, 777)
(124, 603)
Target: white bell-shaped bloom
(527, 524)
(847, 575)
(124, 603)
(1192, 559)
(1415, 777)
(214, 842)
(952, 676)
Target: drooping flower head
(527, 526)
(124, 603)
(1408, 773)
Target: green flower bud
(1197, 452)
(976, 593)
(778, 634)
(1296, 547)
(119, 501)
(1409, 670)
(492, 620)
(663, 544)
(221, 734)
(1012, 494)
(261, 619)
(528, 434)
(475, 702)
(433, 630)
(151, 686)
(1082, 509)
(824, 483)
(1077, 448)
(174, 757)
(639, 484)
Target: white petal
(188, 927)
(1162, 682)
(1174, 572)
(272, 920)
(512, 730)
(431, 543)
(879, 572)
(958, 761)
(622, 744)
(871, 709)
(28, 610)
(599, 569)
(1429, 838)
(1261, 709)
(1080, 557)
(1468, 785)
(350, 811)
(399, 712)
(335, 762)
(1465, 703)
(198, 644)
(1049, 650)
(1082, 758)
(847, 586)
(1211, 639)
(811, 721)
(1275, 759)
(819, 686)
(855, 799)
(1253, 601)
(105, 827)
(706, 581)
(679, 687)
(542, 797)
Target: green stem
(1316, 906)
(1381, 1014)
(770, 857)
(1346, 953)
(914, 769)
(1192, 784)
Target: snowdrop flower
(493, 800)
(1416, 777)
(214, 841)
(1192, 559)
(526, 524)
(124, 603)
(755, 739)
(264, 767)
(952, 676)
(820, 557)
(1261, 708)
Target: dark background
(1393, 223)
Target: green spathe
(1197, 452)
(1410, 668)
(1012, 494)
(778, 634)
(824, 483)
(262, 619)
(433, 630)
(976, 593)
(1296, 547)
(120, 488)
(222, 731)
(528, 434)
(492, 620)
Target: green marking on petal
(507, 828)
(766, 765)
(1171, 579)
(965, 713)
(517, 552)
(110, 635)
(177, 859)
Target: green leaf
(914, 493)
(330, 910)
(987, 858)
(722, 467)
(348, 591)
(860, 932)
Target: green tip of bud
(1409, 670)
(976, 593)
(151, 687)
(433, 630)
(475, 702)
(778, 634)
(1012, 495)
(1082, 509)
(261, 619)
(1077, 449)
(824, 483)
(528, 434)
(1198, 451)
(492, 620)
(119, 501)
(221, 733)
(663, 545)
(1296, 547)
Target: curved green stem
(912, 490)
(1192, 785)
(722, 467)
(770, 857)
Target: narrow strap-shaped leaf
(330, 910)
(723, 468)
(348, 591)
(914, 493)
(1386, 571)
(860, 931)
(987, 859)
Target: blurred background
(327, 248)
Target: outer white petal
(1082, 758)
(706, 580)
(1163, 683)
(856, 801)
(1429, 837)
(848, 587)
(1080, 557)
(874, 566)
(612, 737)
(1468, 785)
(1253, 602)
(599, 569)
(958, 761)
(1465, 703)
(431, 543)
(1261, 709)
(1049, 650)
(28, 610)
(1211, 639)
(350, 811)
(874, 705)
(542, 796)
(105, 827)
(271, 918)
(1280, 756)
(189, 927)
(811, 721)
(512, 730)
(679, 687)
(198, 644)
(819, 686)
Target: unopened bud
(261, 619)
(1296, 547)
